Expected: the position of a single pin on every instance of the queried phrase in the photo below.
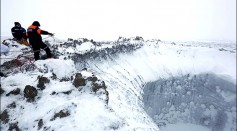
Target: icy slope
(128, 74)
(126, 66)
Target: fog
(109, 19)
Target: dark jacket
(18, 32)
(34, 34)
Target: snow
(125, 75)
(85, 47)
(86, 73)
(4, 49)
(87, 111)
(185, 127)
(60, 68)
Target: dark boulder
(79, 80)
(11, 64)
(4, 117)
(54, 76)
(14, 92)
(40, 124)
(2, 75)
(13, 127)
(60, 114)
(1, 90)
(93, 78)
(12, 105)
(98, 85)
(30, 93)
(42, 81)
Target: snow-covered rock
(61, 68)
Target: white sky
(109, 19)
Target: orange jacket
(34, 34)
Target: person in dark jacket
(18, 32)
(35, 39)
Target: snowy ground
(126, 72)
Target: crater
(204, 99)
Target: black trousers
(36, 48)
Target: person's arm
(24, 35)
(43, 32)
(13, 33)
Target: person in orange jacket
(34, 34)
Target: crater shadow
(203, 99)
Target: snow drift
(128, 84)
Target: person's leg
(46, 48)
(48, 52)
(36, 50)
(36, 55)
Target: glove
(51, 34)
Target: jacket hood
(36, 23)
(17, 24)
